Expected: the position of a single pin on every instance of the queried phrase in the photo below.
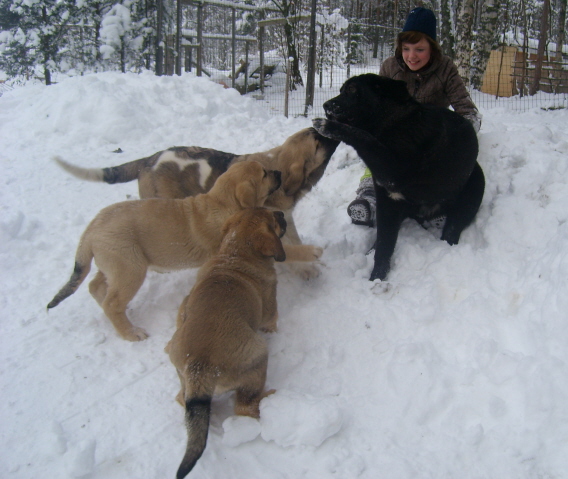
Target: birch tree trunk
(446, 35)
(464, 38)
(487, 40)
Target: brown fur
(182, 171)
(217, 346)
(125, 239)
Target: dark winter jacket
(437, 84)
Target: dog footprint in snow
(384, 288)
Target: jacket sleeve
(388, 68)
(458, 95)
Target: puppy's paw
(322, 126)
(302, 252)
(270, 327)
(135, 334)
(180, 399)
(316, 252)
(306, 271)
(330, 128)
(267, 393)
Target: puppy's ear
(266, 242)
(246, 194)
(295, 160)
(294, 176)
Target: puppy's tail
(114, 174)
(82, 267)
(197, 413)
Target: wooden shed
(511, 72)
(498, 76)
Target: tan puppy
(189, 170)
(217, 346)
(127, 238)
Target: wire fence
(237, 61)
(278, 102)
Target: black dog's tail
(197, 413)
(114, 174)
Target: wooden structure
(510, 72)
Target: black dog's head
(365, 99)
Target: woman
(430, 77)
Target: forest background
(43, 38)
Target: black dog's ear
(400, 91)
(395, 89)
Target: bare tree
(561, 4)
(543, 38)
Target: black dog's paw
(380, 271)
(451, 234)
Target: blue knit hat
(421, 20)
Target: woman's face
(416, 55)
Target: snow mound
(292, 419)
(240, 429)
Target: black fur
(74, 282)
(423, 158)
(197, 413)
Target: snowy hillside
(457, 368)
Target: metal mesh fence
(235, 61)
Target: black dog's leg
(462, 213)
(390, 214)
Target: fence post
(261, 57)
(178, 38)
(287, 88)
(246, 65)
(159, 48)
(199, 38)
(311, 61)
(233, 46)
(349, 50)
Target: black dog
(423, 158)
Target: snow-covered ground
(457, 369)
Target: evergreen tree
(91, 14)
(123, 31)
(37, 36)
(331, 51)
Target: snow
(455, 367)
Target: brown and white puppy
(185, 171)
(217, 346)
(127, 238)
